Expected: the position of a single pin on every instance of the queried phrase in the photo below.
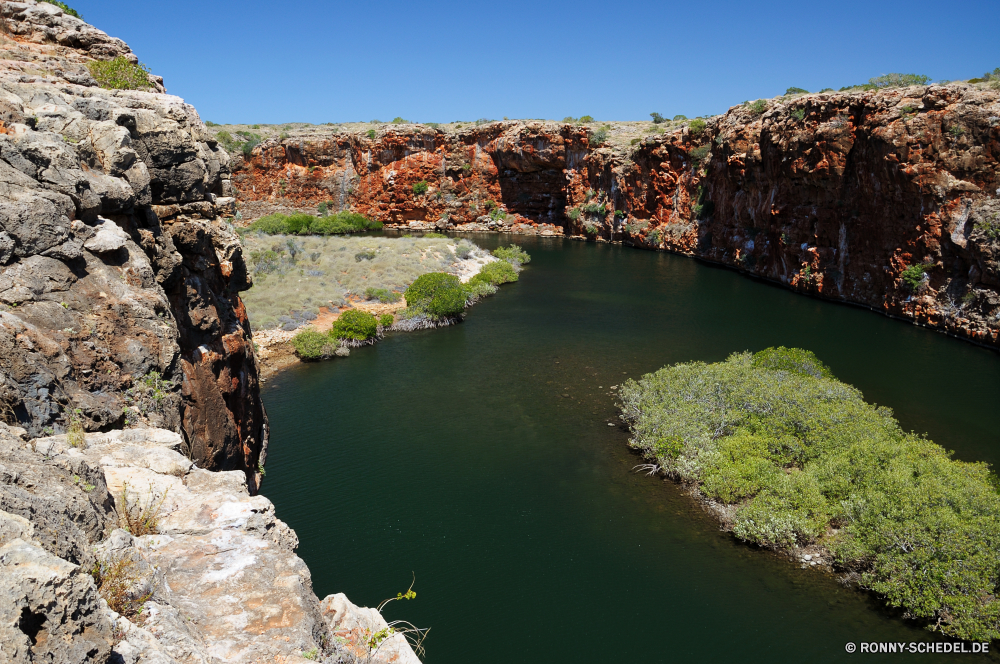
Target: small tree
(657, 118)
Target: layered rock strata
(834, 194)
(216, 581)
(119, 277)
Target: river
(479, 459)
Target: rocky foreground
(217, 580)
(883, 198)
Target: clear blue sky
(325, 61)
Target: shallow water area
(480, 459)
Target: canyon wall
(119, 278)
(832, 194)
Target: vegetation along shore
(320, 290)
(788, 456)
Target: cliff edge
(119, 278)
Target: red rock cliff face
(830, 194)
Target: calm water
(454, 455)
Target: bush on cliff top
(120, 74)
(307, 224)
(890, 81)
(801, 457)
(66, 9)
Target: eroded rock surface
(218, 580)
(119, 276)
(834, 194)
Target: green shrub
(573, 213)
(496, 273)
(657, 118)
(591, 229)
(399, 120)
(354, 325)
(799, 114)
(586, 118)
(889, 81)
(758, 107)
(796, 91)
(385, 320)
(634, 141)
(913, 276)
(800, 457)
(795, 360)
(64, 7)
(680, 118)
(371, 134)
(593, 208)
(477, 289)
(598, 137)
(305, 224)
(420, 187)
(696, 126)
(569, 119)
(513, 254)
(120, 74)
(383, 295)
(700, 153)
(440, 295)
(312, 345)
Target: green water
(454, 454)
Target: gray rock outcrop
(119, 276)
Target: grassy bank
(432, 300)
(296, 275)
(794, 457)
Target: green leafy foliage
(913, 276)
(371, 134)
(586, 118)
(66, 9)
(420, 187)
(757, 107)
(796, 91)
(310, 344)
(120, 74)
(657, 118)
(355, 325)
(598, 137)
(799, 114)
(801, 457)
(385, 320)
(890, 81)
(496, 273)
(696, 126)
(513, 254)
(438, 294)
(306, 224)
(680, 118)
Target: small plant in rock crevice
(75, 435)
(137, 517)
(117, 579)
(913, 277)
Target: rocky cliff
(883, 198)
(214, 580)
(119, 278)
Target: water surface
(479, 458)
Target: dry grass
(330, 271)
(117, 580)
(138, 518)
(75, 435)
